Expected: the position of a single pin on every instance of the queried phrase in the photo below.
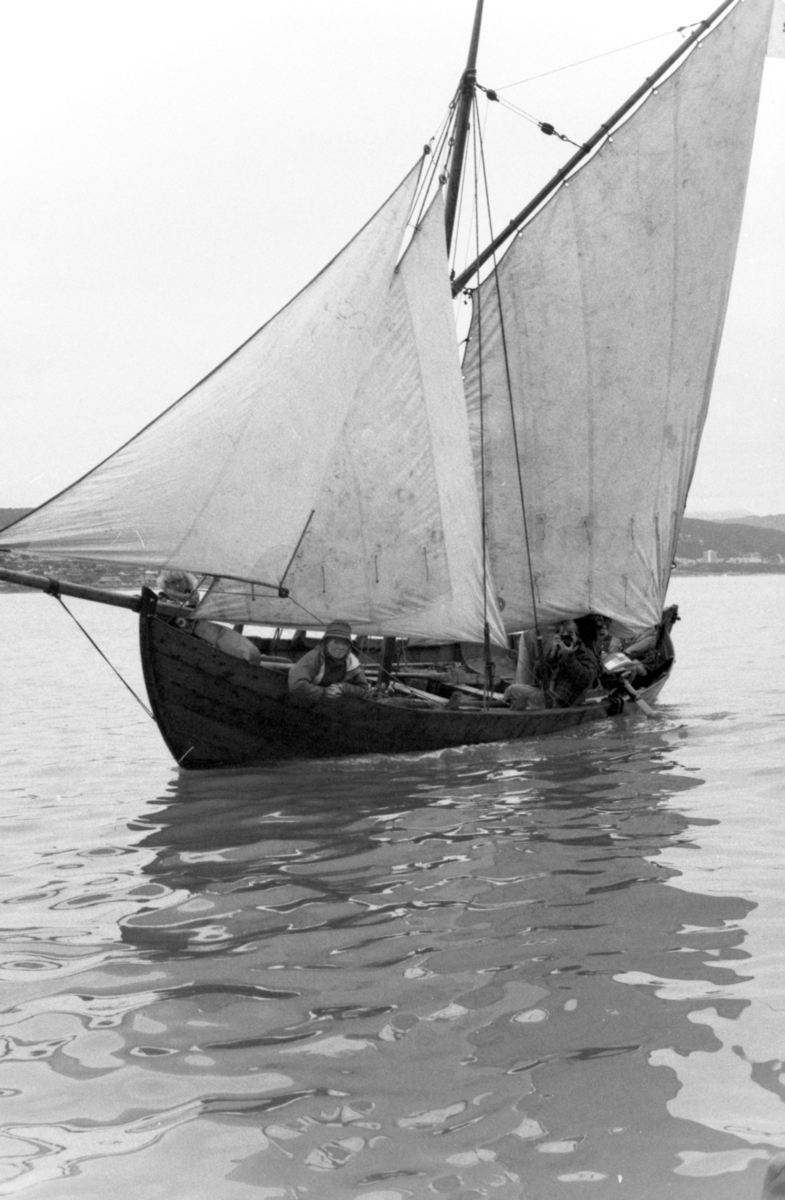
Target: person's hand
(334, 690)
(633, 669)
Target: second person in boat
(558, 676)
(329, 671)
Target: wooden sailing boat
(345, 465)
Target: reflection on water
(465, 974)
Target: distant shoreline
(723, 568)
(118, 584)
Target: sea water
(546, 968)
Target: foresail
(224, 480)
(394, 545)
(611, 303)
(329, 455)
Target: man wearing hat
(328, 671)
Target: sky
(174, 172)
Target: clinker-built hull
(217, 711)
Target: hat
(339, 629)
(178, 585)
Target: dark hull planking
(216, 711)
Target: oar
(642, 705)
(429, 697)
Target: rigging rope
(513, 422)
(125, 684)
(477, 134)
(461, 194)
(605, 54)
(544, 126)
(432, 154)
(483, 509)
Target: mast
(465, 98)
(604, 130)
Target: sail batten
(613, 299)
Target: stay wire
(93, 643)
(438, 147)
(545, 126)
(483, 508)
(605, 54)
(458, 210)
(431, 156)
(513, 422)
(469, 219)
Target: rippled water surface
(541, 969)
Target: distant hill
(731, 539)
(8, 515)
(92, 574)
(739, 515)
(739, 518)
(775, 522)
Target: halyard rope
(512, 408)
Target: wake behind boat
(343, 463)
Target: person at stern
(329, 670)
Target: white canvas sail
(612, 305)
(776, 48)
(395, 543)
(330, 453)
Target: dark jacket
(566, 675)
(312, 675)
(570, 676)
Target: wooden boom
(56, 587)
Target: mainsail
(329, 455)
(593, 345)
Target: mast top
(465, 99)
(585, 150)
